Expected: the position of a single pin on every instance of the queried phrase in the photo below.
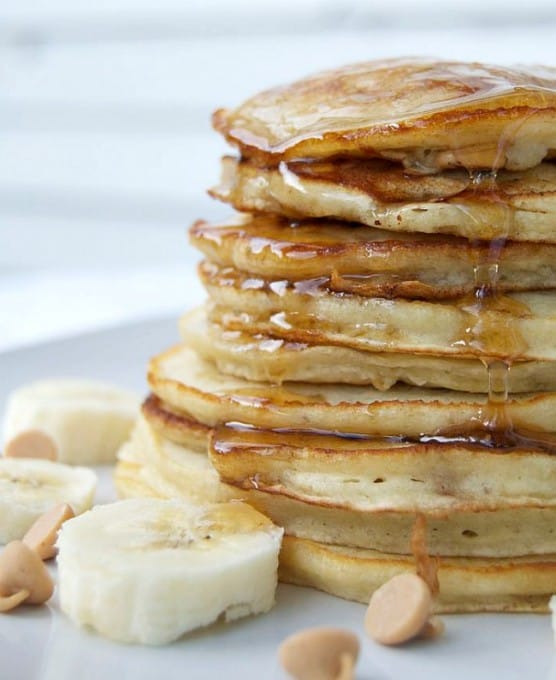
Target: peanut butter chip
(320, 654)
(347, 667)
(9, 602)
(31, 444)
(22, 571)
(398, 610)
(433, 628)
(41, 537)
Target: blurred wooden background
(106, 148)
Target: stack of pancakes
(379, 340)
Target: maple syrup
(499, 343)
(233, 436)
(273, 394)
(368, 261)
(427, 114)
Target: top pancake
(427, 114)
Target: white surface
(44, 304)
(40, 644)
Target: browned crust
(297, 251)
(286, 446)
(256, 446)
(177, 427)
(366, 418)
(378, 141)
(405, 103)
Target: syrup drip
(426, 566)
(496, 420)
(230, 437)
(495, 427)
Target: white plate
(40, 644)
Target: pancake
(520, 206)
(346, 468)
(129, 482)
(481, 512)
(426, 114)
(268, 358)
(190, 385)
(436, 476)
(466, 585)
(366, 493)
(517, 326)
(477, 502)
(504, 532)
(369, 261)
(150, 461)
(177, 428)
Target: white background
(106, 148)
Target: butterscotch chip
(398, 610)
(320, 654)
(41, 537)
(9, 602)
(23, 577)
(31, 444)
(433, 628)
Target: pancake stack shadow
(378, 342)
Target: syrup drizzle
(233, 436)
(486, 273)
(496, 419)
(496, 428)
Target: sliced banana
(28, 488)
(148, 570)
(82, 422)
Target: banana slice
(148, 570)
(28, 488)
(82, 422)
